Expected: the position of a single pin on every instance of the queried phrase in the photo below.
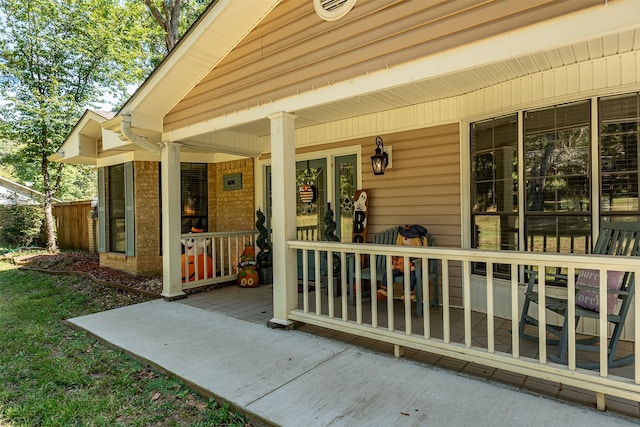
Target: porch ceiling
(446, 86)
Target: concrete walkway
(290, 378)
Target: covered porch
(480, 336)
(256, 305)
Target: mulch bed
(88, 265)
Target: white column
(171, 203)
(283, 178)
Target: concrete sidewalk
(290, 378)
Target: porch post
(283, 177)
(171, 202)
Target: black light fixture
(380, 160)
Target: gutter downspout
(142, 142)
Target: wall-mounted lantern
(380, 159)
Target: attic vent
(332, 10)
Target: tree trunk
(49, 228)
(49, 190)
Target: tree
(167, 14)
(56, 57)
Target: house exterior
(512, 130)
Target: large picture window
(558, 192)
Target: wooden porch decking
(256, 305)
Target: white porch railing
(376, 319)
(210, 258)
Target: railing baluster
(330, 278)
(426, 296)
(542, 313)
(446, 320)
(316, 255)
(466, 301)
(571, 315)
(602, 327)
(490, 320)
(390, 315)
(515, 311)
(406, 289)
(373, 286)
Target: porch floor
(256, 305)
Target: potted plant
(264, 257)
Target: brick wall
(232, 210)
(147, 261)
(147, 218)
(228, 211)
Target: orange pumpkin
(189, 264)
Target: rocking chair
(617, 239)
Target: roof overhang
(219, 29)
(81, 145)
(591, 34)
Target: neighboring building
(13, 193)
(514, 126)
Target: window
(117, 223)
(618, 121)
(557, 143)
(494, 183)
(555, 189)
(195, 200)
(116, 227)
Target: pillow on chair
(590, 299)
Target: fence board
(72, 224)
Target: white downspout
(140, 141)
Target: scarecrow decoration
(196, 262)
(247, 271)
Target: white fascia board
(204, 46)
(129, 156)
(591, 23)
(112, 140)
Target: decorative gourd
(247, 271)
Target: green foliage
(53, 375)
(24, 226)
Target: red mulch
(84, 262)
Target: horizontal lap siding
(422, 187)
(293, 51)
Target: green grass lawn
(53, 375)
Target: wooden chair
(616, 239)
(389, 237)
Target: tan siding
(423, 187)
(293, 51)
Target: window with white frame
(557, 187)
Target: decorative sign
(360, 207)
(307, 193)
(232, 182)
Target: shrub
(23, 225)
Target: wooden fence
(73, 225)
